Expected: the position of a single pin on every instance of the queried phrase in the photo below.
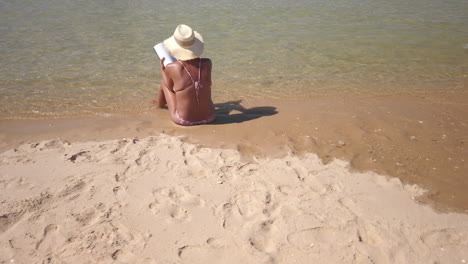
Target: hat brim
(181, 53)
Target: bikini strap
(197, 84)
(190, 75)
(199, 71)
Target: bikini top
(197, 84)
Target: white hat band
(185, 43)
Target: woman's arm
(167, 81)
(166, 94)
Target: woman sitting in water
(186, 83)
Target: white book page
(163, 53)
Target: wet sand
(419, 138)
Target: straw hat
(185, 44)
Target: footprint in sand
(14, 211)
(248, 206)
(125, 256)
(175, 203)
(51, 238)
(122, 176)
(177, 212)
(445, 237)
(253, 203)
(226, 212)
(207, 253)
(121, 195)
(109, 240)
(11, 182)
(16, 156)
(9, 219)
(78, 156)
(73, 190)
(116, 152)
(50, 144)
(309, 239)
(301, 172)
(348, 203)
(89, 216)
(261, 239)
(316, 185)
(285, 190)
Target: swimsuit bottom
(183, 122)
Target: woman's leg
(170, 99)
(161, 98)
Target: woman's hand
(163, 68)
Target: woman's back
(191, 82)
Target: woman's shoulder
(206, 62)
(177, 66)
(173, 66)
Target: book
(163, 53)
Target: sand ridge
(160, 200)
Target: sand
(419, 138)
(328, 180)
(158, 199)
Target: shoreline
(418, 138)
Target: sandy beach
(347, 180)
(341, 132)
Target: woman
(186, 83)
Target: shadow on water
(224, 115)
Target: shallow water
(66, 58)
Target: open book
(163, 53)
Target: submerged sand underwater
(63, 59)
(160, 200)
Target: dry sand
(160, 200)
(139, 189)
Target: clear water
(62, 58)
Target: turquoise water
(61, 58)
